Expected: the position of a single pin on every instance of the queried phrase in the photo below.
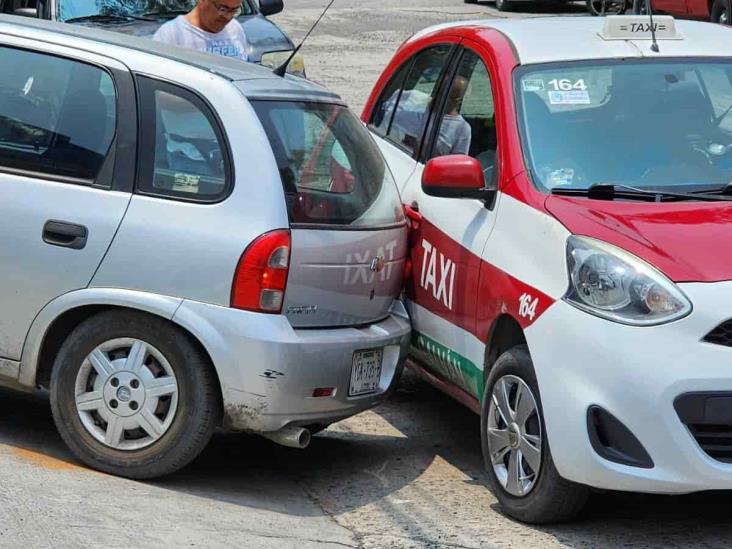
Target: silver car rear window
(332, 171)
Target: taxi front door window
(467, 124)
(415, 100)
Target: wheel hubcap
(126, 394)
(514, 435)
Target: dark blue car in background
(267, 43)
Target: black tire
(505, 5)
(552, 498)
(639, 7)
(470, 1)
(198, 404)
(721, 11)
(610, 7)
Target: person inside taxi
(211, 27)
(455, 132)
(413, 110)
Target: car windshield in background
(74, 9)
(331, 169)
(644, 124)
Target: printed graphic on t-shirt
(223, 47)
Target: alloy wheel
(514, 435)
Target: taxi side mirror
(270, 7)
(455, 176)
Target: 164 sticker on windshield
(568, 91)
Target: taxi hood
(687, 241)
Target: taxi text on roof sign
(638, 27)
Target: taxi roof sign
(638, 27)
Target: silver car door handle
(64, 234)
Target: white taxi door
(453, 232)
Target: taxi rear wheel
(516, 451)
(721, 12)
(606, 7)
(504, 5)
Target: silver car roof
(252, 79)
(551, 39)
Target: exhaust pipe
(291, 435)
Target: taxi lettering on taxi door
(438, 274)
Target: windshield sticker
(533, 85)
(186, 183)
(565, 84)
(563, 176)
(574, 97)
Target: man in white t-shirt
(210, 27)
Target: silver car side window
(189, 153)
(186, 156)
(57, 116)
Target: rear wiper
(107, 18)
(611, 191)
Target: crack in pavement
(295, 538)
(422, 540)
(316, 500)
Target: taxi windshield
(74, 9)
(644, 124)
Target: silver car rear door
(67, 157)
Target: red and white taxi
(569, 184)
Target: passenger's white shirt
(230, 42)
(455, 136)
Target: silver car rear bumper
(268, 370)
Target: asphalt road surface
(406, 475)
(357, 38)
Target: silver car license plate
(366, 371)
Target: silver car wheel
(126, 394)
(514, 435)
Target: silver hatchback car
(189, 242)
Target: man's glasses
(225, 10)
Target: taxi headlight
(274, 59)
(611, 283)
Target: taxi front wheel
(516, 451)
(721, 12)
